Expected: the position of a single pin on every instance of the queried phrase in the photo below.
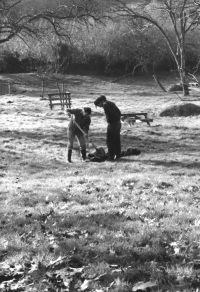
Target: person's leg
(118, 140)
(82, 145)
(71, 138)
(115, 141)
(110, 142)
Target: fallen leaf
(86, 284)
(141, 286)
(75, 262)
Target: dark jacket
(81, 119)
(112, 112)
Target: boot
(83, 154)
(69, 155)
(110, 156)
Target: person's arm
(73, 111)
(108, 111)
(86, 125)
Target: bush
(182, 110)
(116, 48)
(10, 62)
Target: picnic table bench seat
(131, 118)
(5, 86)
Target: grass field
(132, 225)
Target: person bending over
(113, 117)
(78, 127)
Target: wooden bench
(131, 118)
(5, 87)
(63, 99)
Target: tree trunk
(182, 72)
(183, 81)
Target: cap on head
(100, 99)
(87, 110)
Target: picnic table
(131, 118)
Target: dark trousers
(113, 139)
(81, 140)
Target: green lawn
(98, 226)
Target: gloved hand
(68, 113)
(86, 136)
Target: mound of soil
(182, 110)
(177, 87)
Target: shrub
(184, 110)
(10, 62)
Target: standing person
(78, 127)
(113, 117)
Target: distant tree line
(115, 40)
(112, 49)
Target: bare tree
(29, 18)
(168, 16)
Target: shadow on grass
(100, 244)
(148, 143)
(47, 138)
(95, 233)
(171, 163)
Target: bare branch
(13, 21)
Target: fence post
(63, 87)
(42, 91)
(9, 88)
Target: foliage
(26, 18)
(115, 46)
(180, 17)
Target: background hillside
(111, 46)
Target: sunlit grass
(140, 215)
